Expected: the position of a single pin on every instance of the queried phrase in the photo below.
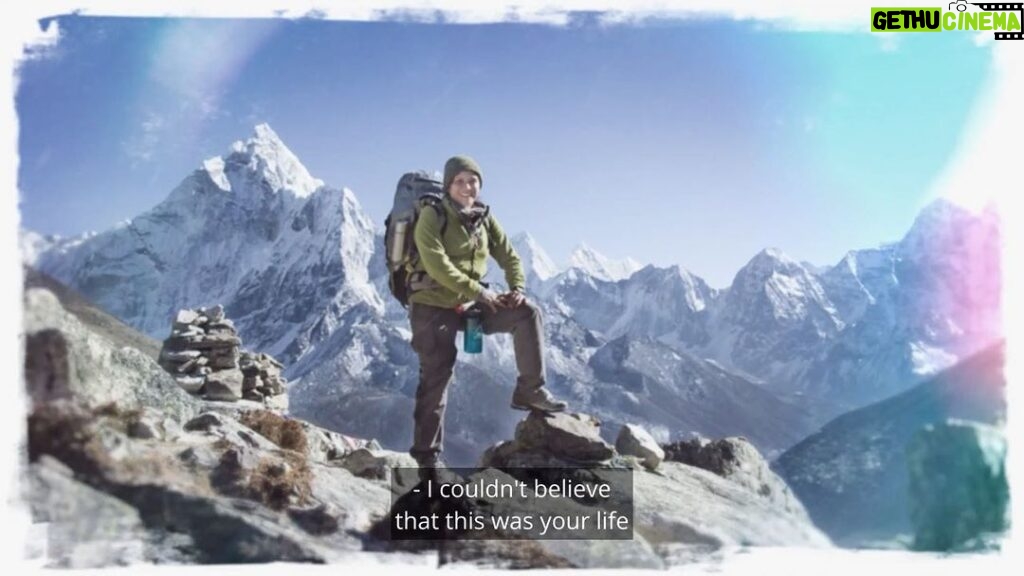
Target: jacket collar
(470, 218)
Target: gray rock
(325, 445)
(85, 528)
(155, 425)
(188, 331)
(739, 461)
(687, 505)
(958, 491)
(217, 341)
(214, 313)
(226, 359)
(223, 328)
(566, 435)
(101, 373)
(251, 394)
(224, 385)
(191, 384)
(178, 342)
(47, 366)
(186, 317)
(278, 402)
(365, 464)
(317, 520)
(633, 440)
(204, 422)
(178, 356)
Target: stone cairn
(204, 355)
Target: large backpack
(415, 191)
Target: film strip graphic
(1004, 7)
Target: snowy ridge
(299, 268)
(599, 266)
(535, 260)
(253, 231)
(267, 155)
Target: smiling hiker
(453, 236)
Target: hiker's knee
(531, 312)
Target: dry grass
(62, 430)
(284, 432)
(279, 486)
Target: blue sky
(678, 142)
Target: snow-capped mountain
(286, 255)
(679, 394)
(912, 308)
(299, 267)
(537, 265)
(597, 265)
(873, 325)
(772, 320)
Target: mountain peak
(266, 154)
(534, 257)
(600, 266)
(264, 132)
(524, 238)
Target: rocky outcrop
(737, 460)
(633, 440)
(175, 478)
(204, 355)
(959, 497)
(562, 439)
(65, 358)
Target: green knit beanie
(457, 164)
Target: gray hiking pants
(433, 338)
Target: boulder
(186, 318)
(959, 497)
(47, 366)
(365, 464)
(738, 460)
(570, 436)
(551, 441)
(224, 385)
(633, 440)
(85, 528)
(98, 372)
(214, 313)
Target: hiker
(452, 262)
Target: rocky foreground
(127, 467)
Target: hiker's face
(465, 188)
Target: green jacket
(457, 261)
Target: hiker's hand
(490, 300)
(513, 299)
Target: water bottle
(473, 337)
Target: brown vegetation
(281, 484)
(284, 432)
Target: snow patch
(215, 168)
(928, 360)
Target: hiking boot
(428, 469)
(537, 400)
(439, 473)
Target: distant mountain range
(783, 349)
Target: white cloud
(141, 147)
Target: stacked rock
(204, 354)
(261, 376)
